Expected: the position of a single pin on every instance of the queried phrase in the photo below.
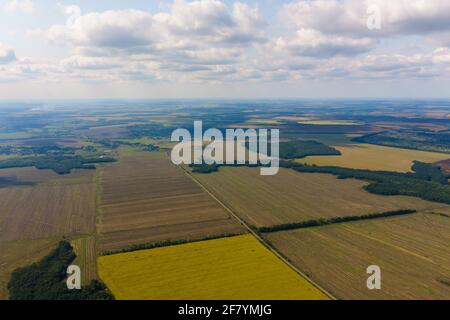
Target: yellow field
(228, 268)
(9, 156)
(293, 118)
(15, 135)
(330, 122)
(367, 156)
(262, 121)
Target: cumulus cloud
(15, 6)
(312, 43)
(201, 36)
(336, 30)
(398, 17)
(109, 29)
(395, 62)
(186, 25)
(7, 55)
(216, 41)
(29, 69)
(441, 56)
(89, 63)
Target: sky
(140, 49)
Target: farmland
(229, 268)
(445, 166)
(329, 122)
(291, 197)
(33, 175)
(19, 254)
(39, 207)
(372, 157)
(412, 252)
(85, 250)
(145, 198)
(44, 211)
(28, 174)
(153, 230)
(436, 141)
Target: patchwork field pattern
(291, 196)
(146, 199)
(372, 157)
(228, 268)
(412, 253)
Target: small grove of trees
(45, 280)
(59, 164)
(414, 140)
(300, 149)
(426, 183)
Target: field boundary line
(258, 237)
(97, 180)
(306, 224)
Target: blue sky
(224, 49)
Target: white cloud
(441, 56)
(211, 21)
(89, 63)
(7, 54)
(396, 63)
(203, 37)
(116, 29)
(187, 24)
(398, 17)
(312, 43)
(15, 6)
(210, 41)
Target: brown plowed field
(44, 211)
(146, 199)
(290, 196)
(412, 252)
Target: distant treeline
(210, 168)
(13, 182)
(297, 149)
(166, 243)
(45, 280)
(150, 130)
(59, 164)
(300, 149)
(322, 222)
(205, 168)
(114, 144)
(426, 183)
(36, 150)
(288, 150)
(415, 140)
